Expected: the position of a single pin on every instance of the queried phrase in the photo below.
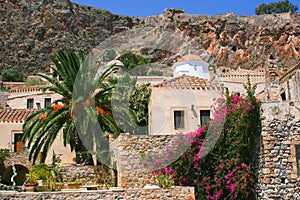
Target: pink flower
(191, 134)
(231, 187)
(157, 161)
(168, 171)
(200, 131)
(228, 175)
(180, 184)
(219, 194)
(196, 158)
(243, 166)
(226, 111)
(221, 165)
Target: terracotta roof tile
(188, 82)
(15, 115)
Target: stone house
(279, 168)
(181, 104)
(235, 79)
(289, 84)
(11, 122)
(30, 97)
(21, 101)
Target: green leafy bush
(13, 75)
(34, 81)
(155, 73)
(49, 175)
(3, 154)
(131, 60)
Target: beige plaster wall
(20, 101)
(164, 101)
(234, 87)
(7, 131)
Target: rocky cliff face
(248, 42)
(32, 30)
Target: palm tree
(69, 112)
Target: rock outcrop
(32, 30)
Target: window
(298, 158)
(204, 117)
(47, 102)
(179, 119)
(29, 103)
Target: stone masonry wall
(182, 193)
(3, 99)
(18, 158)
(134, 157)
(87, 175)
(278, 173)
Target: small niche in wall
(283, 96)
(298, 158)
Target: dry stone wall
(134, 157)
(3, 99)
(182, 193)
(278, 173)
(87, 175)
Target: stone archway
(22, 164)
(18, 158)
(20, 177)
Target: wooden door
(18, 142)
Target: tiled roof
(188, 82)
(26, 89)
(15, 115)
(290, 70)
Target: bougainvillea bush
(222, 159)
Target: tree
(130, 104)
(276, 7)
(131, 60)
(42, 127)
(13, 75)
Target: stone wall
(134, 157)
(3, 99)
(18, 158)
(278, 173)
(87, 175)
(182, 193)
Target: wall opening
(283, 96)
(298, 159)
(19, 179)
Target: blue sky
(140, 8)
